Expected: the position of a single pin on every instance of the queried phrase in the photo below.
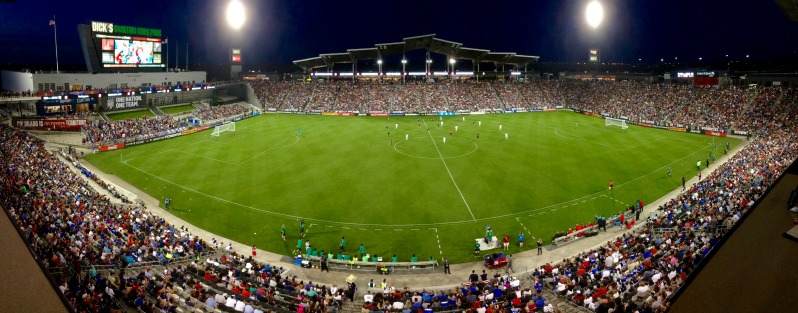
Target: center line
(448, 171)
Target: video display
(132, 52)
(108, 57)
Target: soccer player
(506, 136)
(500, 126)
(299, 132)
(391, 142)
(407, 136)
(362, 249)
(476, 249)
(477, 136)
(611, 184)
(167, 202)
(480, 123)
(669, 171)
(455, 127)
(301, 228)
(343, 244)
(444, 139)
(396, 126)
(450, 133)
(282, 232)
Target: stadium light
(404, 73)
(235, 14)
(379, 72)
(594, 14)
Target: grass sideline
(178, 109)
(129, 115)
(417, 196)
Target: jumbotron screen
(126, 46)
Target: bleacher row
(71, 227)
(101, 132)
(661, 104)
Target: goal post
(227, 127)
(609, 121)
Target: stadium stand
(105, 254)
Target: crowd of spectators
(219, 112)
(100, 132)
(270, 93)
(641, 270)
(660, 104)
(71, 227)
(5, 94)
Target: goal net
(615, 122)
(229, 127)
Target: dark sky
(279, 31)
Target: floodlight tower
(404, 73)
(235, 18)
(594, 15)
(379, 69)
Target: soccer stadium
(419, 174)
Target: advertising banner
(112, 147)
(346, 114)
(378, 114)
(740, 132)
(329, 114)
(549, 110)
(645, 125)
(51, 124)
(711, 133)
(677, 129)
(396, 114)
(123, 102)
(445, 113)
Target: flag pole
(55, 32)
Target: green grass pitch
(131, 114)
(416, 196)
(178, 109)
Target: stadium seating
(640, 269)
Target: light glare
(594, 13)
(235, 14)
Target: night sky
(278, 32)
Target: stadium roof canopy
(470, 53)
(790, 9)
(364, 54)
(311, 63)
(392, 48)
(332, 58)
(424, 42)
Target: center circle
(424, 149)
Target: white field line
(450, 173)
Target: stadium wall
(17, 81)
(69, 81)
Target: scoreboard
(114, 47)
